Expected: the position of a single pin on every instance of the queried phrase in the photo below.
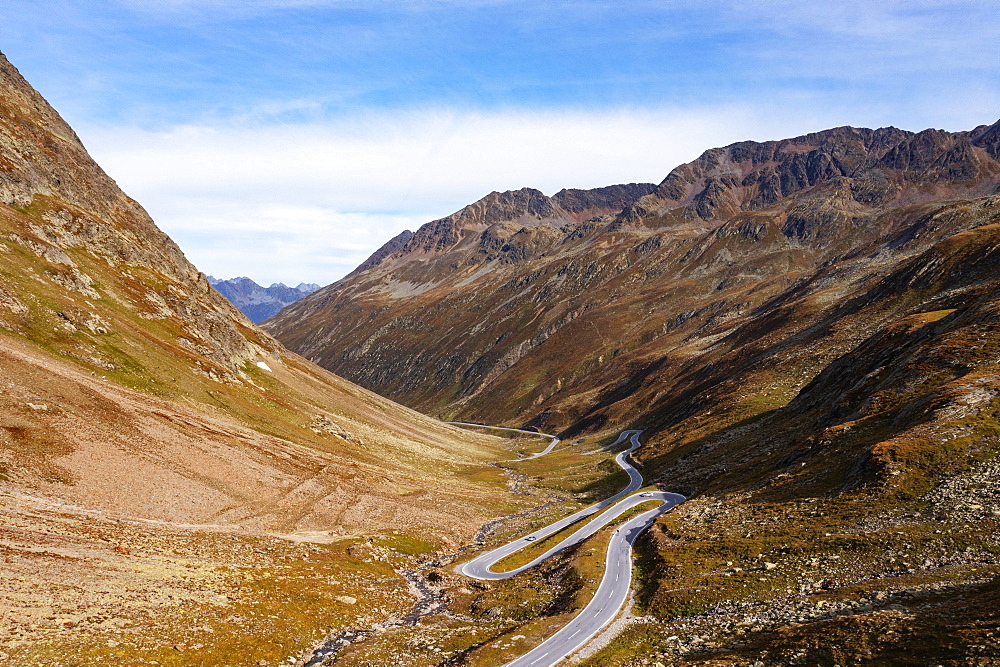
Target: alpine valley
(806, 331)
(776, 375)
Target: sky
(286, 140)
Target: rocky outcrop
(74, 206)
(987, 137)
(878, 165)
(600, 201)
(526, 207)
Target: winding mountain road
(614, 587)
(552, 445)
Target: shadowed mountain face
(258, 302)
(590, 306)
(808, 331)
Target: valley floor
(722, 580)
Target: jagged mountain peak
(880, 166)
(258, 302)
(527, 206)
(987, 137)
(611, 197)
(500, 215)
(393, 245)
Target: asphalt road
(614, 587)
(552, 445)
(612, 592)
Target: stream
(430, 599)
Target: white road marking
(564, 642)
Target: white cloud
(309, 202)
(275, 243)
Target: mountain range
(804, 333)
(257, 302)
(806, 330)
(559, 311)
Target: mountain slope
(256, 302)
(91, 281)
(536, 310)
(807, 332)
(137, 404)
(468, 254)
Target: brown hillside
(510, 311)
(143, 446)
(807, 330)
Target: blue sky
(287, 139)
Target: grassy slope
(141, 438)
(158, 488)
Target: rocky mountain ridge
(257, 302)
(499, 216)
(46, 173)
(881, 167)
(715, 225)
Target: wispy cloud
(288, 138)
(309, 202)
(174, 61)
